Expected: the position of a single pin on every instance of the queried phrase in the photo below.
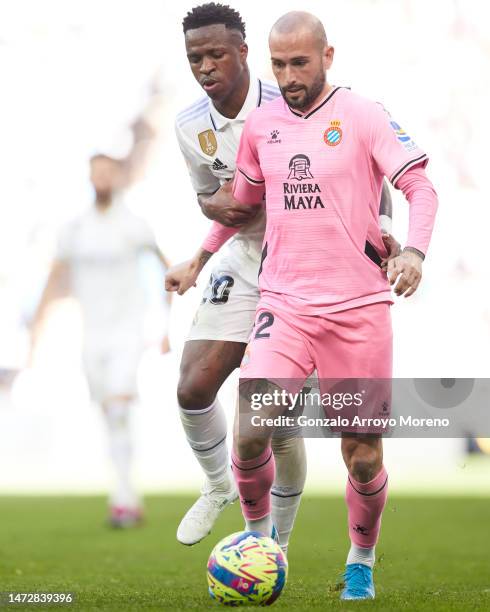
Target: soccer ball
(247, 568)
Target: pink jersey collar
(324, 101)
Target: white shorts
(227, 310)
(111, 369)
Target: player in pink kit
(325, 303)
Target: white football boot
(200, 518)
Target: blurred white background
(75, 76)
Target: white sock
(117, 419)
(290, 458)
(263, 525)
(206, 433)
(366, 556)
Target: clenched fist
(184, 275)
(181, 277)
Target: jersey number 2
(267, 319)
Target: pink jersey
(323, 174)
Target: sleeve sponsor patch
(403, 137)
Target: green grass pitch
(433, 555)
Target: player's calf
(290, 457)
(254, 478)
(366, 494)
(125, 507)
(205, 365)
(252, 458)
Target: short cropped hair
(212, 13)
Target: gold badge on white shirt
(208, 142)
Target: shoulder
(261, 117)
(361, 104)
(193, 116)
(266, 110)
(130, 217)
(75, 223)
(259, 120)
(68, 233)
(134, 225)
(269, 91)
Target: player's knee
(364, 466)
(193, 396)
(249, 448)
(286, 445)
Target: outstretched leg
(205, 366)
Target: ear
(328, 54)
(243, 52)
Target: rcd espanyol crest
(333, 134)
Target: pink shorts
(350, 344)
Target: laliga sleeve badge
(333, 135)
(403, 137)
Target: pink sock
(365, 503)
(254, 478)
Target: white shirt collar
(251, 101)
(115, 206)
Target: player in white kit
(98, 261)
(209, 133)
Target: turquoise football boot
(358, 581)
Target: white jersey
(209, 142)
(103, 250)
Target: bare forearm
(203, 201)
(386, 203)
(385, 209)
(222, 207)
(56, 287)
(49, 295)
(202, 257)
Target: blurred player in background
(98, 261)
(208, 133)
